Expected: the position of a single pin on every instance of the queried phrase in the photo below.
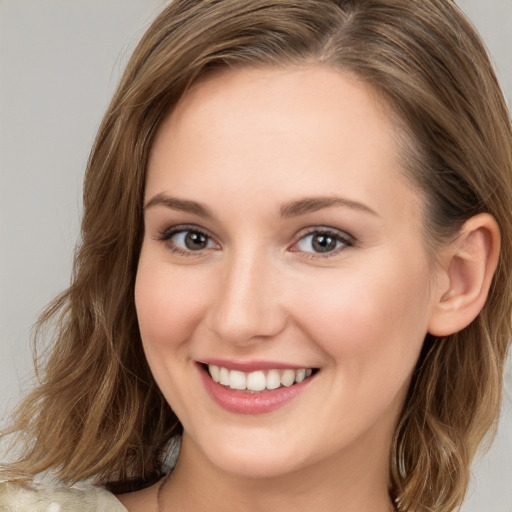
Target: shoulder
(37, 497)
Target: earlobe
(469, 266)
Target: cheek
(168, 305)
(368, 318)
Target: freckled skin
(243, 144)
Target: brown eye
(195, 240)
(323, 242)
(183, 240)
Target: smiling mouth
(260, 380)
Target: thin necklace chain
(159, 491)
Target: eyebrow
(313, 204)
(183, 205)
(290, 209)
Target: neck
(341, 483)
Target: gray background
(59, 63)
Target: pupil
(195, 241)
(324, 243)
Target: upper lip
(250, 366)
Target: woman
(294, 259)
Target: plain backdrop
(59, 63)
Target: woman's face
(282, 243)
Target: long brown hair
(97, 411)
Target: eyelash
(345, 239)
(166, 236)
(339, 236)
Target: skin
(245, 144)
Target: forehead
(279, 132)
(312, 96)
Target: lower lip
(251, 403)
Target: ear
(467, 267)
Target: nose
(247, 307)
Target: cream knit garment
(44, 498)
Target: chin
(253, 457)
(252, 465)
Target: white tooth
(273, 379)
(288, 378)
(224, 376)
(256, 381)
(237, 380)
(300, 375)
(309, 371)
(214, 372)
